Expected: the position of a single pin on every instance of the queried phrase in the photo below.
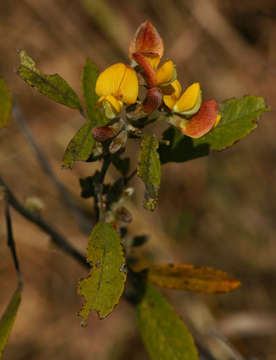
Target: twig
(11, 242)
(84, 223)
(204, 354)
(99, 196)
(58, 239)
(130, 176)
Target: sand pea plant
(120, 102)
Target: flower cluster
(118, 85)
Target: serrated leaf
(149, 170)
(104, 285)
(163, 332)
(189, 277)
(80, 147)
(53, 86)
(5, 104)
(8, 318)
(239, 118)
(89, 78)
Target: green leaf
(149, 169)
(239, 118)
(163, 332)
(8, 318)
(53, 86)
(80, 147)
(105, 284)
(89, 78)
(5, 104)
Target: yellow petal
(110, 105)
(188, 99)
(128, 89)
(116, 105)
(153, 60)
(217, 120)
(120, 81)
(166, 73)
(114, 102)
(170, 100)
(110, 79)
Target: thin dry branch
(58, 239)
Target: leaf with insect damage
(53, 86)
(149, 170)
(103, 287)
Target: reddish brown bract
(153, 100)
(201, 123)
(102, 133)
(148, 71)
(146, 41)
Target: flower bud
(148, 42)
(102, 133)
(152, 101)
(123, 214)
(119, 142)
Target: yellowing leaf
(8, 318)
(149, 169)
(53, 86)
(189, 277)
(5, 104)
(105, 284)
(163, 332)
(80, 147)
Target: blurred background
(217, 211)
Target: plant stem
(99, 209)
(58, 239)
(11, 242)
(65, 195)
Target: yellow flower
(166, 74)
(186, 104)
(117, 85)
